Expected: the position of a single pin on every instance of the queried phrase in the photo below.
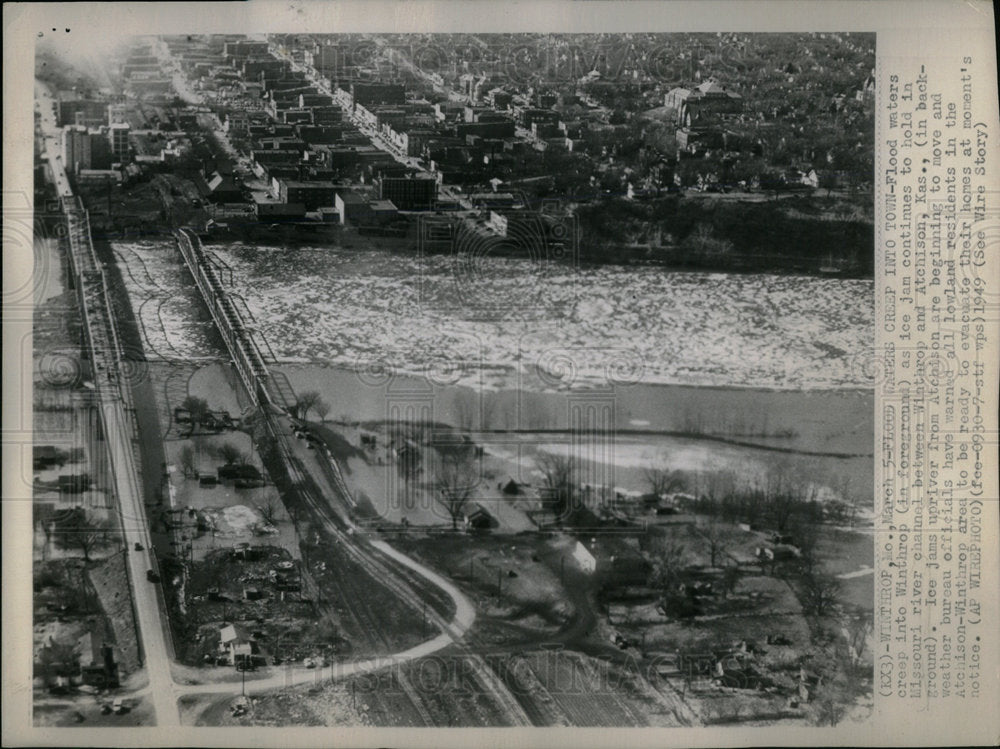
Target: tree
(322, 409)
(559, 487)
(730, 578)
(76, 529)
(268, 509)
(713, 535)
(230, 453)
(44, 515)
(819, 592)
(306, 402)
(828, 181)
(456, 480)
(188, 465)
(198, 408)
(668, 563)
(661, 481)
(59, 658)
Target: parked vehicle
(152, 576)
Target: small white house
(584, 558)
(234, 643)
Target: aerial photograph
(453, 380)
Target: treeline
(793, 234)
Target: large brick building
(703, 105)
(409, 193)
(369, 94)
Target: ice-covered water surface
(574, 326)
(172, 322)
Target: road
(45, 104)
(118, 442)
(342, 98)
(146, 595)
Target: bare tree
(712, 533)
(819, 592)
(188, 465)
(456, 481)
(860, 630)
(44, 516)
(198, 408)
(559, 486)
(76, 529)
(730, 579)
(662, 481)
(59, 658)
(306, 402)
(268, 508)
(668, 563)
(668, 566)
(322, 409)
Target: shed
(584, 558)
(512, 488)
(477, 518)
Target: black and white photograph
(454, 379)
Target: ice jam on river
(576, 326)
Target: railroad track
(383, 571)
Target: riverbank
(826, 436)
(819, 421)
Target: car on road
(152, 576)
(619, 640)
(138, 546)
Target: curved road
(465, 615)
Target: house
(476, 518)
(235, 643)
(103, 670)
(584, 558)
(75, 483)
(46, 456)
(223, 189)
(512, 488)
(238, 471)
